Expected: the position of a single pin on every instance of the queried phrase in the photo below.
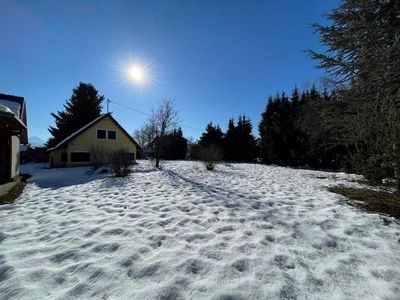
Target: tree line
(362, 63)
(287, 129)
(353, 123)
(237, 144)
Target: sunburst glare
(136, 72)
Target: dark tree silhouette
(175, 145)
(244, 143)
(212, 136)
(362, 58)
(83, 107)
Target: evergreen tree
(245, 141)
(363, 59)
(230, 142)
(239, 143)
(83, 107)
(175, 145)
(212, 136)
(265, 133)
(363, 49)
(322, 148)
(297, 136)
(287, 131)
(276, 130)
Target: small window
(112, 135)
(64, 157)
(80, 156)
(101, 134)
(128, 156)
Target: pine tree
(270, 126)
(363, 48)
(297, 136)
(363, 59)
(322, 149)
(175, 145)
(83, 107)
(212, 136)
(230, 141)
(245, 141)
(277, 132)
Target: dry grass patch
(15, 191)
(371, 200)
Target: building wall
(15, 156)
(5, 150)
(88, 140)
(55, 158)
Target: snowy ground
(244, 231)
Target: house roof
(24, 148)
(64, 143)
(13, 111)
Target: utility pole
(108, 102)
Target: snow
(243, 231)
(12, 106)
(5, 109)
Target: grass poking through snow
(15, 191)
(372, 200)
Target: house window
(112, 135)
(80, 156)
(106, 134)
(128, 156)
(64, 157)
(101, 134)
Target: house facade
(13, 132)
(102, 134)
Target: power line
(191, 127)
(141, 112)
(129, 108)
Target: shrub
(210, 155)
(120, 162)
(98, 156)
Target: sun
(136, 73)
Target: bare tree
(163, 119)
(138, 135)
(143, 136)
(210, 155)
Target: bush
(120, 162)
(98, 156)
(210, 155)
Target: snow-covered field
(244, 231)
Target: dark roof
(65, 142)
(21, 117)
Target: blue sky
(216, 58)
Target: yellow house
(102, 133)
